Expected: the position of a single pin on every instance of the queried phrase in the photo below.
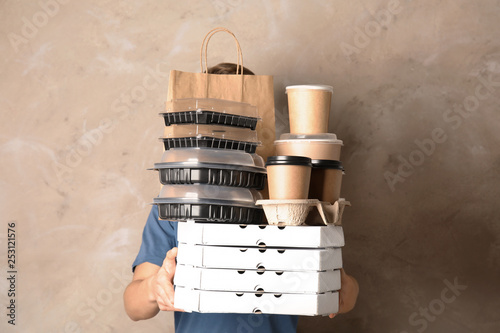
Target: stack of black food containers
(209, 170)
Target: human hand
(163, 283)
(348, 293)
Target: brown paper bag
(256, 90)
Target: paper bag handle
(204, 49)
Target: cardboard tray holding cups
(266, 303)
(261, 235)
(253, 280)
(242, 257)
(303, 211)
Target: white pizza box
(250, 280)
(266, 303)
(285, 259)
(260, 235)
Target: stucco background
(416, 102)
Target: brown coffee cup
(326, 180)
(309, 108)
(323, 146)
(288, 177)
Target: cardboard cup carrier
(288, 177)
(309, 108)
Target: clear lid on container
(212, 156)
(311, 86)
(208, 194)
(258, 160)
(214, 105)
(215, 131)
(317, 138)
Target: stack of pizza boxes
(231, 259)
(267, 269)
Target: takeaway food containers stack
(209, 170)
(211, 174)
(258, 268)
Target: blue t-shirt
(157, 239)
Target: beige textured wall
(79, 128)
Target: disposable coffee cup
(288, 177)
(326, 180)
(323, 146)
(309, 108)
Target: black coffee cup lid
(288, 160)
(327, 164)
